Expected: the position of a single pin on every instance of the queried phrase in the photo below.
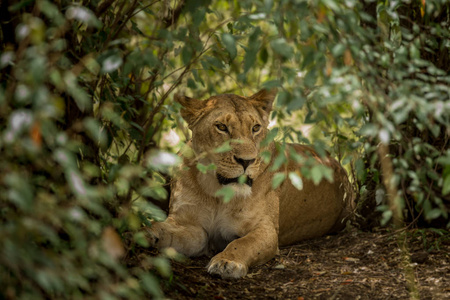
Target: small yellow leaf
(112, 243)
(348, 59)
(351, 259)
(36, 135)
(347, 281)
(422, 8)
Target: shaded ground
(351, 265)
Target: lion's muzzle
(224, 180)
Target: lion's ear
(192, 108)
(264, 99)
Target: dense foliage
(89, 128)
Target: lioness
(248, 229)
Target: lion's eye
(256, 128)
(222, 127)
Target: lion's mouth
(224, 181)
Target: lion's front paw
(227, 268)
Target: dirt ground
(349, 265)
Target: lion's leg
(190, 240)
(256, 247)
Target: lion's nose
(244, 162)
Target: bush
(89, 129)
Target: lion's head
(240, 121)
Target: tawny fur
(248, 229)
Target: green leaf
(83, 15)
(318, 172)
(197, 77)
(268, 4)
(386, 217)
(77, 183)
(151, 284)
(284, 97)
(230, 44)
(214, 62)
(279, 161)
(338, 50)
(162, 160)
(186, 54)
(82, 99)
(264, 55)
(204, 169)
(361, 172)
(19, 191)
(316, 175)
(281, 47)
(198, 16)
(278, 179)
(49, 281)
(433, 214)
(149, 209)
(296, 180)
(311, 78)
(227, 193)
(249, 59)
(252, 49)
(270, 84)
(446, 185)
(266, 156)
(270, 137)
(95, 131)
(162, 265)
(111, 63)
(230, 27)
(296, 103)
(155, 192)
(140, 239)
(242, 179)
(191, 84)
(52, 12)
(225, 147)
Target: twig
(387, 171)
(158, 105)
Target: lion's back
(316, 209)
